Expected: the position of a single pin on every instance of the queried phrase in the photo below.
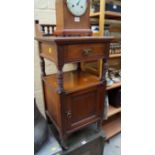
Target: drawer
(82, 52)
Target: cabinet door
(84, 107)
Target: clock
(72, 18)
(77, 7)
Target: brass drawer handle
(86, 52)
(69, 114)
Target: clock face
(77, 7)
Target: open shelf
(108, 15)
(96, 33)
(112, 15)
(115, 85)
(73, 80)
(95, 14)
(112, 127)
(114, 55)
(111, 21)
(112, 111)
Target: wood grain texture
(112, 127)
(112, 110)
(84, 52)
(75, 40)
(53, 104)
(115, 85)
(49, 51)
(66, 24)
(73, 99)
(112, 15)
(101, 16)
(73, 81)
(84, 106)
(114, 55)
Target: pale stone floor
(113, 147)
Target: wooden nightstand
(74, 99)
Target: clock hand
(78, 2)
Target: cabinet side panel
(53, 104)
(49, 51)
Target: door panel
(83, 107)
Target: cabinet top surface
(68, 40)
(73, 81)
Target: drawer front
(84, 107)
(82, 52)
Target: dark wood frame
(66, 26)
(60, 46)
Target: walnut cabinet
(73, 99)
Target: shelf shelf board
(108, 14)
(112, 15)
(73, 81)
(115, 85)
(114, 22)
(96, 33)
(95, 14)
(112, 111)
(114, 55)
(112, 127)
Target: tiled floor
(113, 147)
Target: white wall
(44, 11)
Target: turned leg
(104, 69)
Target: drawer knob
(86, 52)
(69, 114)
(49, 50)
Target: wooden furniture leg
(104, 69)
(99, 125)
(63, 141)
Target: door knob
(69, 114)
